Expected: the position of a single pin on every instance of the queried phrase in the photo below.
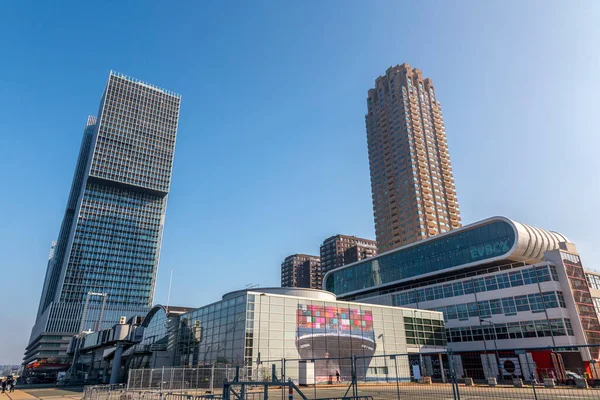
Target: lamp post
(382, 337)
(485, 321)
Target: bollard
(492, 382)
(549, 383)
(581, 383)
(468, 381)
(518, 382)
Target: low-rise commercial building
(500, 284)
(249, 327)
(254, 328)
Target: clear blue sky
(271, 153)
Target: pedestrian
(3, 386)
(8, 384)
(337, 376)
(13, 383)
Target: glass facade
(115, 246)
(511, 330)
(494, 239)
(109, 243)
(158, 340)
(252, 329)
(516, 278)
(535, 302)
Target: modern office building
(340, 250)
(302, 271)
(104, 264)
(501, 285)
(412, 185)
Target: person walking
(337, 376)
(3, 386)
(13, 383)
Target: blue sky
(271, 152)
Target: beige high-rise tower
(413, 190)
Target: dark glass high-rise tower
(105, 260)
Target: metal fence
(540, 374)
(180, 379)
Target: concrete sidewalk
(17, 395)
(42, 394)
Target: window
(543, 273)
(561, 300)
(462, 311)
(569, 327)
(557, 327)
(514, 330)
(501, 331)
(477, 333)
(458, 289)
(479, 285)
(528, 328)
(455, 335)
(473, 310)
(508, 303)
(496, 306)
(484, 309)
(468, 287)
(529, 276)
(516, 278)
(503, 281)
(553, 273)
(448, 291)
(543, 328)
(491, 283)
(522, 303)
(550, 299)
(489, 332)
(596, 304)
(451, 312)
(429, 294)
(535, 302)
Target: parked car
(571, 376)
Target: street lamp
(382, 337)
(485, 321)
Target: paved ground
(44, 393)
(377, 392)
(440, 392)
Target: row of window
(535, 302)
(593, 281)
(526, 276)
(511, 330)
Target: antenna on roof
(169, 295)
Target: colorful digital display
(332, 319)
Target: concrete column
(442, 367)
(105, 373)
(116, 368)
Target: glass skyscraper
(105, 260)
